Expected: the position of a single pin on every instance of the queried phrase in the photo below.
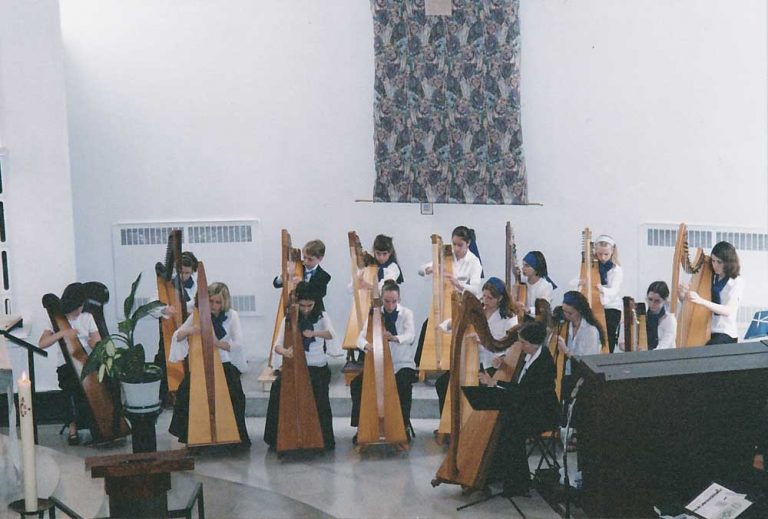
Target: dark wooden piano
(657, 427)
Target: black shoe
(354, 439)
(73, 439)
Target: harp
(298, 425)
(694, 321)
(211, 417)
(464, 369)
(288, 269)
(170, 292)
(435, 355)
(591, 274)
(473, 444)
(635, 333)
(517, 291)
(360, 260)
(381, 419)
(560, 330)
(108, 422)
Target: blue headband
(571, 299)
(531, 260)
(497, 284)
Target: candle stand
(43, 505)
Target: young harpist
(400, 335)
(317, 336)
(228, 339)
(540, 285)
(727, 289)
(467, 267)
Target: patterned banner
(447, 103)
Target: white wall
(33, 132)
(632, 112)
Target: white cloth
(391, 271)
(316, 356)
(234, 336)
(529, 359)
(542, 289)
(467, 270)
(404, 351)
(610, 293)
(730, 296)
(498, 326)
(85, 325)
(586, 341)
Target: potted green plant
(122, 359)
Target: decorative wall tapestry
(447, 103)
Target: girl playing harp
(727, 289)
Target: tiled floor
(255, 483)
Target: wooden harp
(298, 425)
(635, 333)
(381, 419)
(560, 330)
(436, 351)
(361, 301)
(473, 444)
(211, 417)
(108, 422)
(171, 293)
(694, 322)
(465, 371)
(518, 291)
(288, 267)
(590, 272)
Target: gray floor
(255, 483)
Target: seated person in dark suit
(536, 409)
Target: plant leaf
(125, 326)
(128, 304)
(144, 310)
(102, 370)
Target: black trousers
(612, 320)
(180, 420)
(721, 338)
(404, 378)
(76, 407)
(320, 378)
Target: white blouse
(542, 289)
(316, 356)
(610, 293)
(84, 325)
(391, 271)
(467, 270)
(234, 336)
(498, 326)
(586, 341)
(730, 296)
(403, 352)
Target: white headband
(604, 238)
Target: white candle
(27, 443)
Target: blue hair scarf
(531, 260)
(570, 299)
(474, 250)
